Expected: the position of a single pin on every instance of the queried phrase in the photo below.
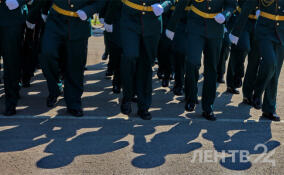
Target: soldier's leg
(148, 50)
(179, 59)
(267, 69)
(74, 73)
(270, 96)
(49, 57)
(10, 37)
(225, 51)
(251, 72)
(109, 45)
(236, 63)
(130, 46)
(116, 82)
(195, 46)
(211, 57)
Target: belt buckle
(277, 17)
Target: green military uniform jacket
(199, 25)
(11, 17)
(143, 22)
(265, 28)
(73, 26)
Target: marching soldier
(239, 52)
(67, 28)
(140, 33)
(269, 33)
(11, 31)
(205, 33)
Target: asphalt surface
(40, 140)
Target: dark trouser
(251, 71)
(75, 61)
(165, 60)
(31, 51)
(270, 67)
(225, 51)
(211, 48)
(136, 66)
(237, 58)
(115, 55)
(10, 50)
(179, 68)
(108, 50)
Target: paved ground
(40, 140)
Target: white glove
(82, 15)
(234, 39)
(30, 25)
(220, 18)
(12, 4)
(257, 14)
(170, 34)
(30, 2)
(157, 9)
(102, 20)
(44, 17)
(108, 27)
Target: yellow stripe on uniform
(271, 16)
(188, 8)
(137, 6)
(64, 12)
(203, 14)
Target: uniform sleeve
(247, 7)
(94, 7)
(167, 5)
(113, 6)
(38, 7)
(178, 13)
(230, 6)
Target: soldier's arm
(247, 7)
(94, 7)
(167, 4)
(38, 7)
(178, 13)
(113, 6)
(229, 7)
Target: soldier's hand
(234, 39)
(102, 20)
(82, 15)
(12, 4)
(257, 14)
(170, 34)
(157, 9)
(43, 17)
(30, 25)
(108, 27)
(220, 18)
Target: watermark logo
(237, 156)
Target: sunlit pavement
(40, 140)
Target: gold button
(209, 8)
(277, 24)
(143, 13)
(279, 7)
(72, 5)
(144, 3)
